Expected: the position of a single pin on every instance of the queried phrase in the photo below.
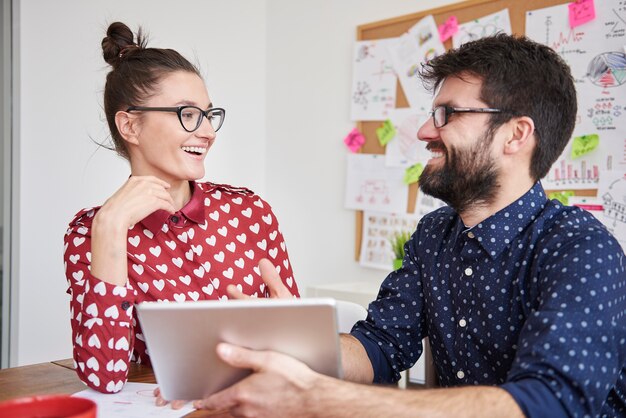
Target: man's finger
(241, 357)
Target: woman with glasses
(163, 235)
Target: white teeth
(197, 150)
(436, 154)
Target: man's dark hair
(522, 77)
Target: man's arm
(355, 361)
(283, 386)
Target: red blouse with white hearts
(217, 239)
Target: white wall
(61, 170)
(308, 108)
(281, 68)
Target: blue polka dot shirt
(532, 299)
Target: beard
(468, 178)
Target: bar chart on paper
(574, 173)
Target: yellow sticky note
(582, 145)
(386, 132)
(562, 197)
(413, 173)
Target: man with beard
(522, 298)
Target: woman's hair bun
(119, 42)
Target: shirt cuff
(535, 399)
(383, 372)
(108, 301)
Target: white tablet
(181, 339)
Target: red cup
(48, 406)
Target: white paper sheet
(378, 228)
(424, 204)
(135, 400)
(595, 54)
(482, 27)
(372, 186)
(408, 53)
(373, 81)
(612, 191)
(405, 149)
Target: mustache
(435, 146)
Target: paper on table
(135, 400)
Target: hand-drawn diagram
(595, 54)
(372, 186)
(378, 228)
(373, 82)
(608, 69)
(405, 149)
(612, 190)
(480, 28)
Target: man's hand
(272, 280)
(278, 383)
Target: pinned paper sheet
(386, 132)
(562, 197)
(413, 173)
(376, 251)
(354, 140)
(582, 11)
(448, 29)
(582, 145)
(372, 186)
(482, 27)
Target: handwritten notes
(136, 400)
(413, 173)
(354, 140)
(582, 145)
(582, 11)
(448, 29)
(386, 132)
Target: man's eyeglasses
(190, 117)
(440, 114)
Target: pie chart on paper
(608, 69)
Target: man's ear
(522, 135)
(128, 126)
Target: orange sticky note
(581, 11)
(354, 140)
(448, 28)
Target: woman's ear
(128, 126)
(522, 135)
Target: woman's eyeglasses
(190, 117)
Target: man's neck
(509, 191)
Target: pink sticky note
(448, 28)
(354, 140)
(582, 11)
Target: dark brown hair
(137, 71)
(522, 77)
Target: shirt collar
(193, 211)
(496, 232)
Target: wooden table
(59, 377)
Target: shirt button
(470, 234)
(468, 271)
(460, 374)
(125, 305)
(462, 323)
(174, 219)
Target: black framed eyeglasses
(190, 117)
(440, 114)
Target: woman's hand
(162, 402)
(272, 280)
(137, 198)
